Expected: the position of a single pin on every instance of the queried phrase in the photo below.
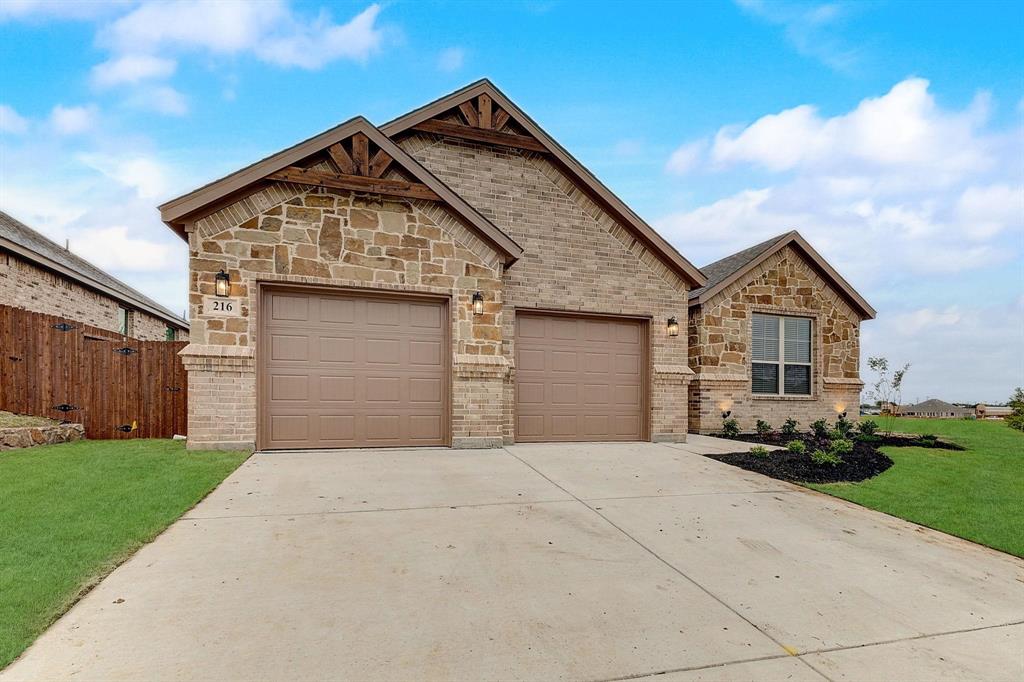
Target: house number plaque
(221, 307)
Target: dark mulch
(863, 463)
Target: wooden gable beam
(361, 153)
(500, 119)
(484, 103)
(481, 135)
(341, 157)
(469, 113)
(379, 163)
(357, 183)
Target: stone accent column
(669, 390)
(221, 397)
(478, 397)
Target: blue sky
(890, 134)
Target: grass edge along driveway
(974, 494)
(70, 514)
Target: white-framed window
(124, 321)
(780, 355)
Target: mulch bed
(864, 462)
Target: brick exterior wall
(719, 341)
(290, 234)
(25, 285)
(577, 258)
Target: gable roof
(576, 170)
(728, 270)
(933, 405)
(26, 243)
(187, 208)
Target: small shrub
(870, 440)
(797, 447)
(823, 457)
(841, 447)
(835, 434)
(844, 426)
(759, 451)
(1016, 403)
(928, 440)
(820, 429)
(763, 428)
(868, 427)
(789, 427)
(730, 428)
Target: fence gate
(115, 386)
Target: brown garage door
(352, 370)
(579, 379)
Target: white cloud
(986, 211)
(73, 120)
(146, 176)
(130, 69)
(11, 121)
(162, 99)
(451, 59)
(686, 158)
(116, 248)
(270, 30)
(813, 30)
(900, 131)
(55, 9)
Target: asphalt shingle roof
(24, 236)
(723, 268)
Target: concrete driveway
(569, 561)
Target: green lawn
(977, 494)
(70, 513)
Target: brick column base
(669, 391)
(478, 401)
(221, 397)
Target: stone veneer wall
(578, 258)
(720, 332)
(25, 285)
(286, 233)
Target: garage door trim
(265, 287)
(645, 363)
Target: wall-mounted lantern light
(223, 283)
(478, 303)
(725, 415)
(673, 326)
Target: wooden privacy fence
(62, 369)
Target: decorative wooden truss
(484, 122)
(360, 166)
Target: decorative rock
(28, 436)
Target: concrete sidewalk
(555, 561)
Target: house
(453, 277)
(39, 275)
(935, 408)
(983, 411)
(774, 333)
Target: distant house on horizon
(983, 411)
(935, 409)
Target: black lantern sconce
(478, 303)
(725, 415)
(223, 284)
(673, 326)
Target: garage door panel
(337, 349)
(425, 353)
(289, 347)
(353, 370)
(337, 389)
(383, 351)
(579, 379)
(289, 387)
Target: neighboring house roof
(576, 170)
(933, 405)
(208, 198)
(722, 273)
(28, 244)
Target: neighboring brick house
(938, 409)
(39, 275)
(453, 277)
(774, 334)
